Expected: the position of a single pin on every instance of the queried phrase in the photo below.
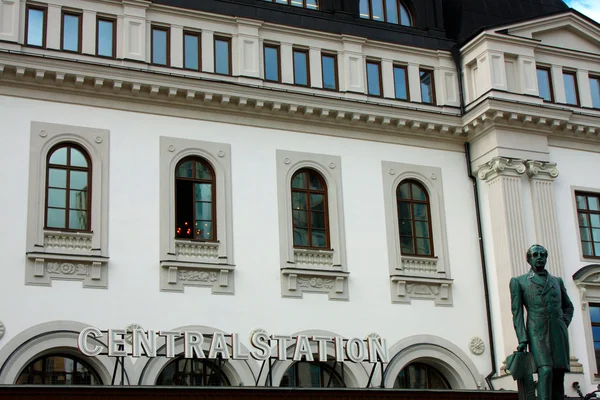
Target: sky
(591, 8)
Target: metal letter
(281, 343)
(82, 341)
(260, 341)
(192, 344)
(377, 349)
(169, 341)
(338, 344)
(355, 350)
(236, 348)
(322, 343)
(141, 342)
(302, 348)
(116, 343)
(218, 346)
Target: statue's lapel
(538, 280)
(549, 283)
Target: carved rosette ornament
(2, 329)
(129, 335)
(477, 346)
(501, 166)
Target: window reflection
(191, 51)
(544, 84)
(420, 376)
(309, 209)
(222, 56)
(400, 83)
(373, 78)
(595, 89)
(427, 87)
(36, 26)
(392, 11)
(414, 222)
(271, 53)
(105, 39)
(160, 38)
(329, 70)
(314, 374)
(70, 32)
(58, 370)
(571, 92)
(301, 67)
(193, 372)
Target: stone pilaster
(503, 177)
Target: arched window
(58, 369)
(420, 376)
(309, 209)
(195, 214)
(414, 219)
(193, 372)
(392, 11)
(314, 374)
(68, 187)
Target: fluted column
(503, 176)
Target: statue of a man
(549, 313)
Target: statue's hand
(522, 346)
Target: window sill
(296, 281)
(426, 267)
(404, 288)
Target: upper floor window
(374, 78)
(571, 90)
(312, 4)
(35, 26)
(71, 32)
(314, 374)
(588, 214)
(414, 219)
(427, 86)
(58, 369)
(191, 50)
(195, 216)
(309, 209)
(301, 69)
(329, 71)
(106, 37)
(545, 83)
(271, 53)
(223, 55)
(193, 372)
(160, 45)
(595, 89)
(401, 82)
(68, 188)
(392, 11)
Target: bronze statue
(549, 313)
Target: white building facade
(179, 169)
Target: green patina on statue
(549, 313)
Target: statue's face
(537, 257)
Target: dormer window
(311, 4)
(392, 11)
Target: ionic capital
(541, 170)
(501, 166)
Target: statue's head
(537, 256)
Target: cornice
(541, 170)
(493, 36)
(209, 92)
(500, 166)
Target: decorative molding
(312, 258)
(129, 329)
(67, 241)
(405, 288)
(43, 268)
(541, 170)
(176, 275)
(205, 251)
(419, 266)
(2, 329)
(587, 280)
(477, 346)
(296, 281)
(501, 166)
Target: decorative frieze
(296, 281)
(419, 266)
(404, 288)
(42, 269)
(175, 276)
(67, 242)
(309, 258)
(205, 251)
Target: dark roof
(464, 18)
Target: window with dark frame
(192, 372)
(160, 45)
(195, 200)
(310, 4)
(68, 187)
(571, 89)
(271, 60)
(329, 71)
(222, 55)
(58, 369)
(71, 32)
(401, 90)
(427, 86)
(418, 375)
(391, 11)
(544, 78)
(309, 209)
(595, 320)
(314, 374)
(301, 67)
(374, 78)
(595, 89)
(192, 54)
(35, 26)
(414, 219)
(588, 215)
(106, 33)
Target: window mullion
(308, 214)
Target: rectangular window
(311, 4)
(401, 82)
(329, 70)
(35, 26)
(71, 32)
(588, 215)
(105, 37)
(301, 68)
(545, 84)
(160, 45)
(595, 319)
(271, 53)
(595, 89)
(571, 90)
(374, 78)
(191, 50)
(427, 86)
(223, 55)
